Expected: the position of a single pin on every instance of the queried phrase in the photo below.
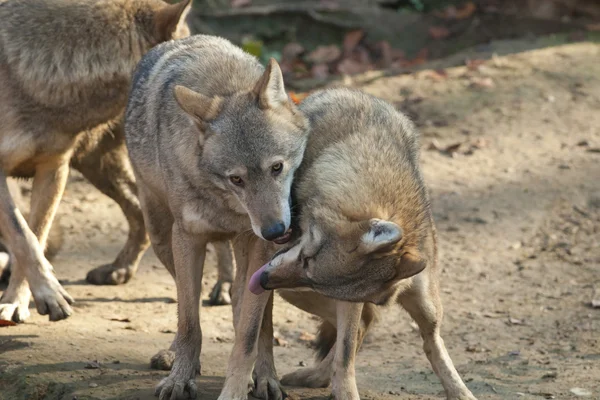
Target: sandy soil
(518, 212)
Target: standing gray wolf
(214, 142)
(368, 236)
(65, 70)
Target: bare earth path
(518, 212)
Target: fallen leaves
(464, 148)
(306, 337)
(324, 54)
(482, 82)
(462, 12)
(438, 32)
(297, 97)
(4, 322)
(240, 3)
(118, 318)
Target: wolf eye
(276, 168)
(236, 180)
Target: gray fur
(201, 112)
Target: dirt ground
(517, 206)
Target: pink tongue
(254, 284)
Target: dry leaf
(351, 40)
(240, 3)
(386, 53)
(4, 322)
(324, 54)
(291, 51)
(462, 12)
(438, 74)
(320, 71)
(593, 27)
(421, 58)
(306, 337)
(474, 65)
(279, 341)
(119, 318)
(482, 82)
(438, 32)
(352, 67)
(297, 97)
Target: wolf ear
(200, 107)
(169, 18)
(270, 88)
(409, 265)
(380, 235)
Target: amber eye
(236, 180)
(276, 168)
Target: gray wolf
(65, 71)
(367, 237)
(214, 142)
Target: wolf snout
(274, 232)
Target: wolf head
(252, 143)
(165, 21)
(350, 261)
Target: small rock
(116, 362)
(302, 364)
(92, 365)
(580, 392)
(550, 375)
(514, 353)
(93, 385)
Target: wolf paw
(220, 294)
(163, 360)
(268, 388)
(14, 303)
(51, 298)
(110, 274)
(14, 310)
(176, 388)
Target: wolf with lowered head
(214, 142)
(367, 236)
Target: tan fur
(65, 70)
(205, 126)
(366, 236)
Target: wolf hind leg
(102, 158)
(423, 303)
(221, 292)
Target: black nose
(264, 280)
(273, 231)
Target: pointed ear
(169, 18)
(270, 88)
(409, 265)
(200, 107)
(380, 235)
